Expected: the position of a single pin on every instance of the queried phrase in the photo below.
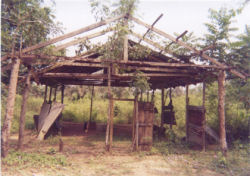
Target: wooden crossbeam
(223, 66)
(151, 27)
(117, 76)
(82, 39)
(69, 35)
(155, 45)
(180, 36)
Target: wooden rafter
(156, 45)
(151, 27)
(223, 66)
(82, 39)
(68, 35)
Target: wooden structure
(163, 67)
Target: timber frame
(164, 68)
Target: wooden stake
(204, 118)
(23, 111)
(221, 104)
(187, 103)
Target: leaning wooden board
(55, 110)
(43, 114)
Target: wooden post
(153, 96)
(137, 123)
(162, 110)
(125, 43)
(147, 96)
(90, 112)
(23, 111)
(204, 118)
(55, 94)
(187, 103)
(111, 122)
(170, 97)
(9, 107)
(50, 93)
(109, 110)
(45, 93)
(221, 110)
(62, 94)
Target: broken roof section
(164, 68)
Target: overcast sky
(178, 15)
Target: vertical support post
(111, 122)
(187, 122)
(137, 123)
(62, 94)
(45, 93)
(50, 93)
(23, 110)
(90, 112)
(147, 96)
(162, 110)
(204, 117)
(153, 96)
(171, 118)
(109, 110)
(55, 94)
(125, 44)
(9, 107)
(221, 110)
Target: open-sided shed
(162, 67)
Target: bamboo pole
(187, 122)
(23, 111)
(204, 117)
(221, 110)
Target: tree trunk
(10, 107)
(221, 104)
(23, 111)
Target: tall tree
(24, 22)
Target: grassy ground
(85, 155)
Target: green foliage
(140, 83)
(23, 160)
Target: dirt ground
(86, 155)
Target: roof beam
(156, 45)
(223, 66)
(151, 27)
(69, 35)
(82, 39)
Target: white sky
(179, 15)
